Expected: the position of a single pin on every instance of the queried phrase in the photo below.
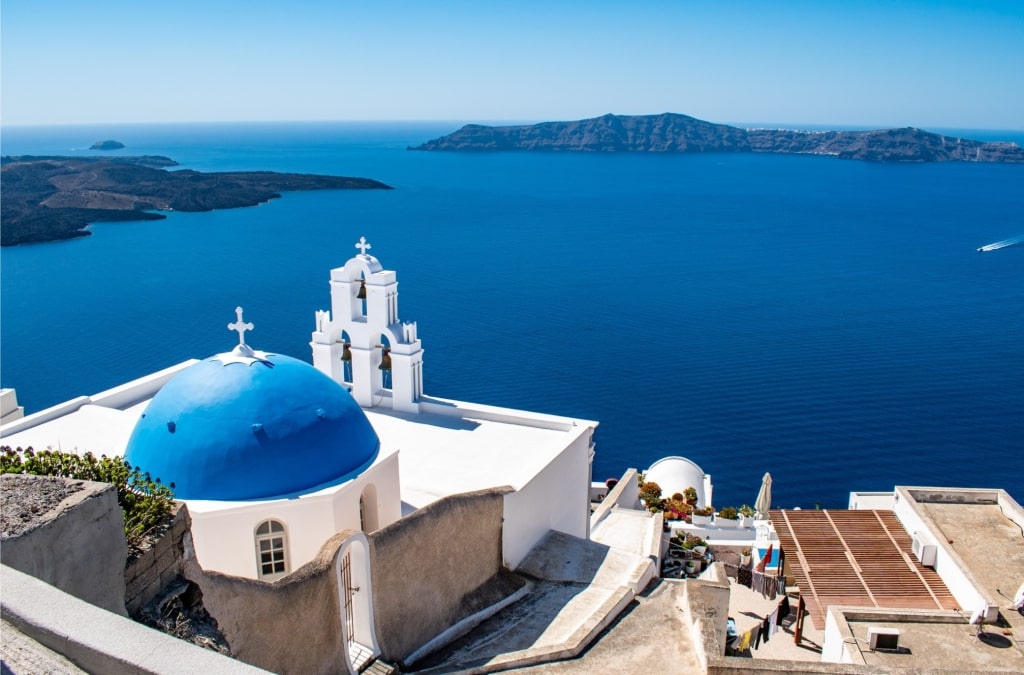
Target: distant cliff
(671, 132)
(52, 198)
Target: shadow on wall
(427, 570)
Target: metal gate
(346, 580)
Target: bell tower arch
(379, 348)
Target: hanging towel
(744, 643)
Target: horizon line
(500, 122)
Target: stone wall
(153, 568)
(76, 544)
(429, 571)
(427, 567)
(290, 626)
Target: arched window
(271, 550)
(346, 357)
(385, 361)
(361, 294)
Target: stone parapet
(157, 564)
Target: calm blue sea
(828, 321)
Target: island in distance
(53, 198)
(672, 132)
(107, 145)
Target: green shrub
(145, 502)
(729, 513)
(746, 511)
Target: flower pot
(725, 523)
(691, 566)
(700, 520)
(699, 550)
(747, 521)
(744, 559)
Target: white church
(274, 456)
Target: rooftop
(930, 641)
(439, 449)
(862, 558)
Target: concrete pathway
(649, 637)
(21, 655)
(580, 587)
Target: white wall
(948, 564)
(224, 539)
(879, 501)
(558, 498)
(833, 648)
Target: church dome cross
(240, 327)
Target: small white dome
(675, 474)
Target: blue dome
(235, 429)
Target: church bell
(361, 295)
(346, 353)
(385, 360)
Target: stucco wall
(78, 547)
(557, 498)
(290, 626)
(427, 565)
(225, 538)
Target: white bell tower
(361, 344)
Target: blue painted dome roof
(231, 428)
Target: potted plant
(690, 495)
(702, 516)
(745, 557)
(675, 509)
(747, 516)
(728, 517)
(698, 545)
(650, 494)
(691, 566)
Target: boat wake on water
(1002, 244)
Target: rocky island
(52, 198)
(671, 132)
(107, 145)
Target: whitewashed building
(274, 456)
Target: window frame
(276, 538)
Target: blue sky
(897, 63)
